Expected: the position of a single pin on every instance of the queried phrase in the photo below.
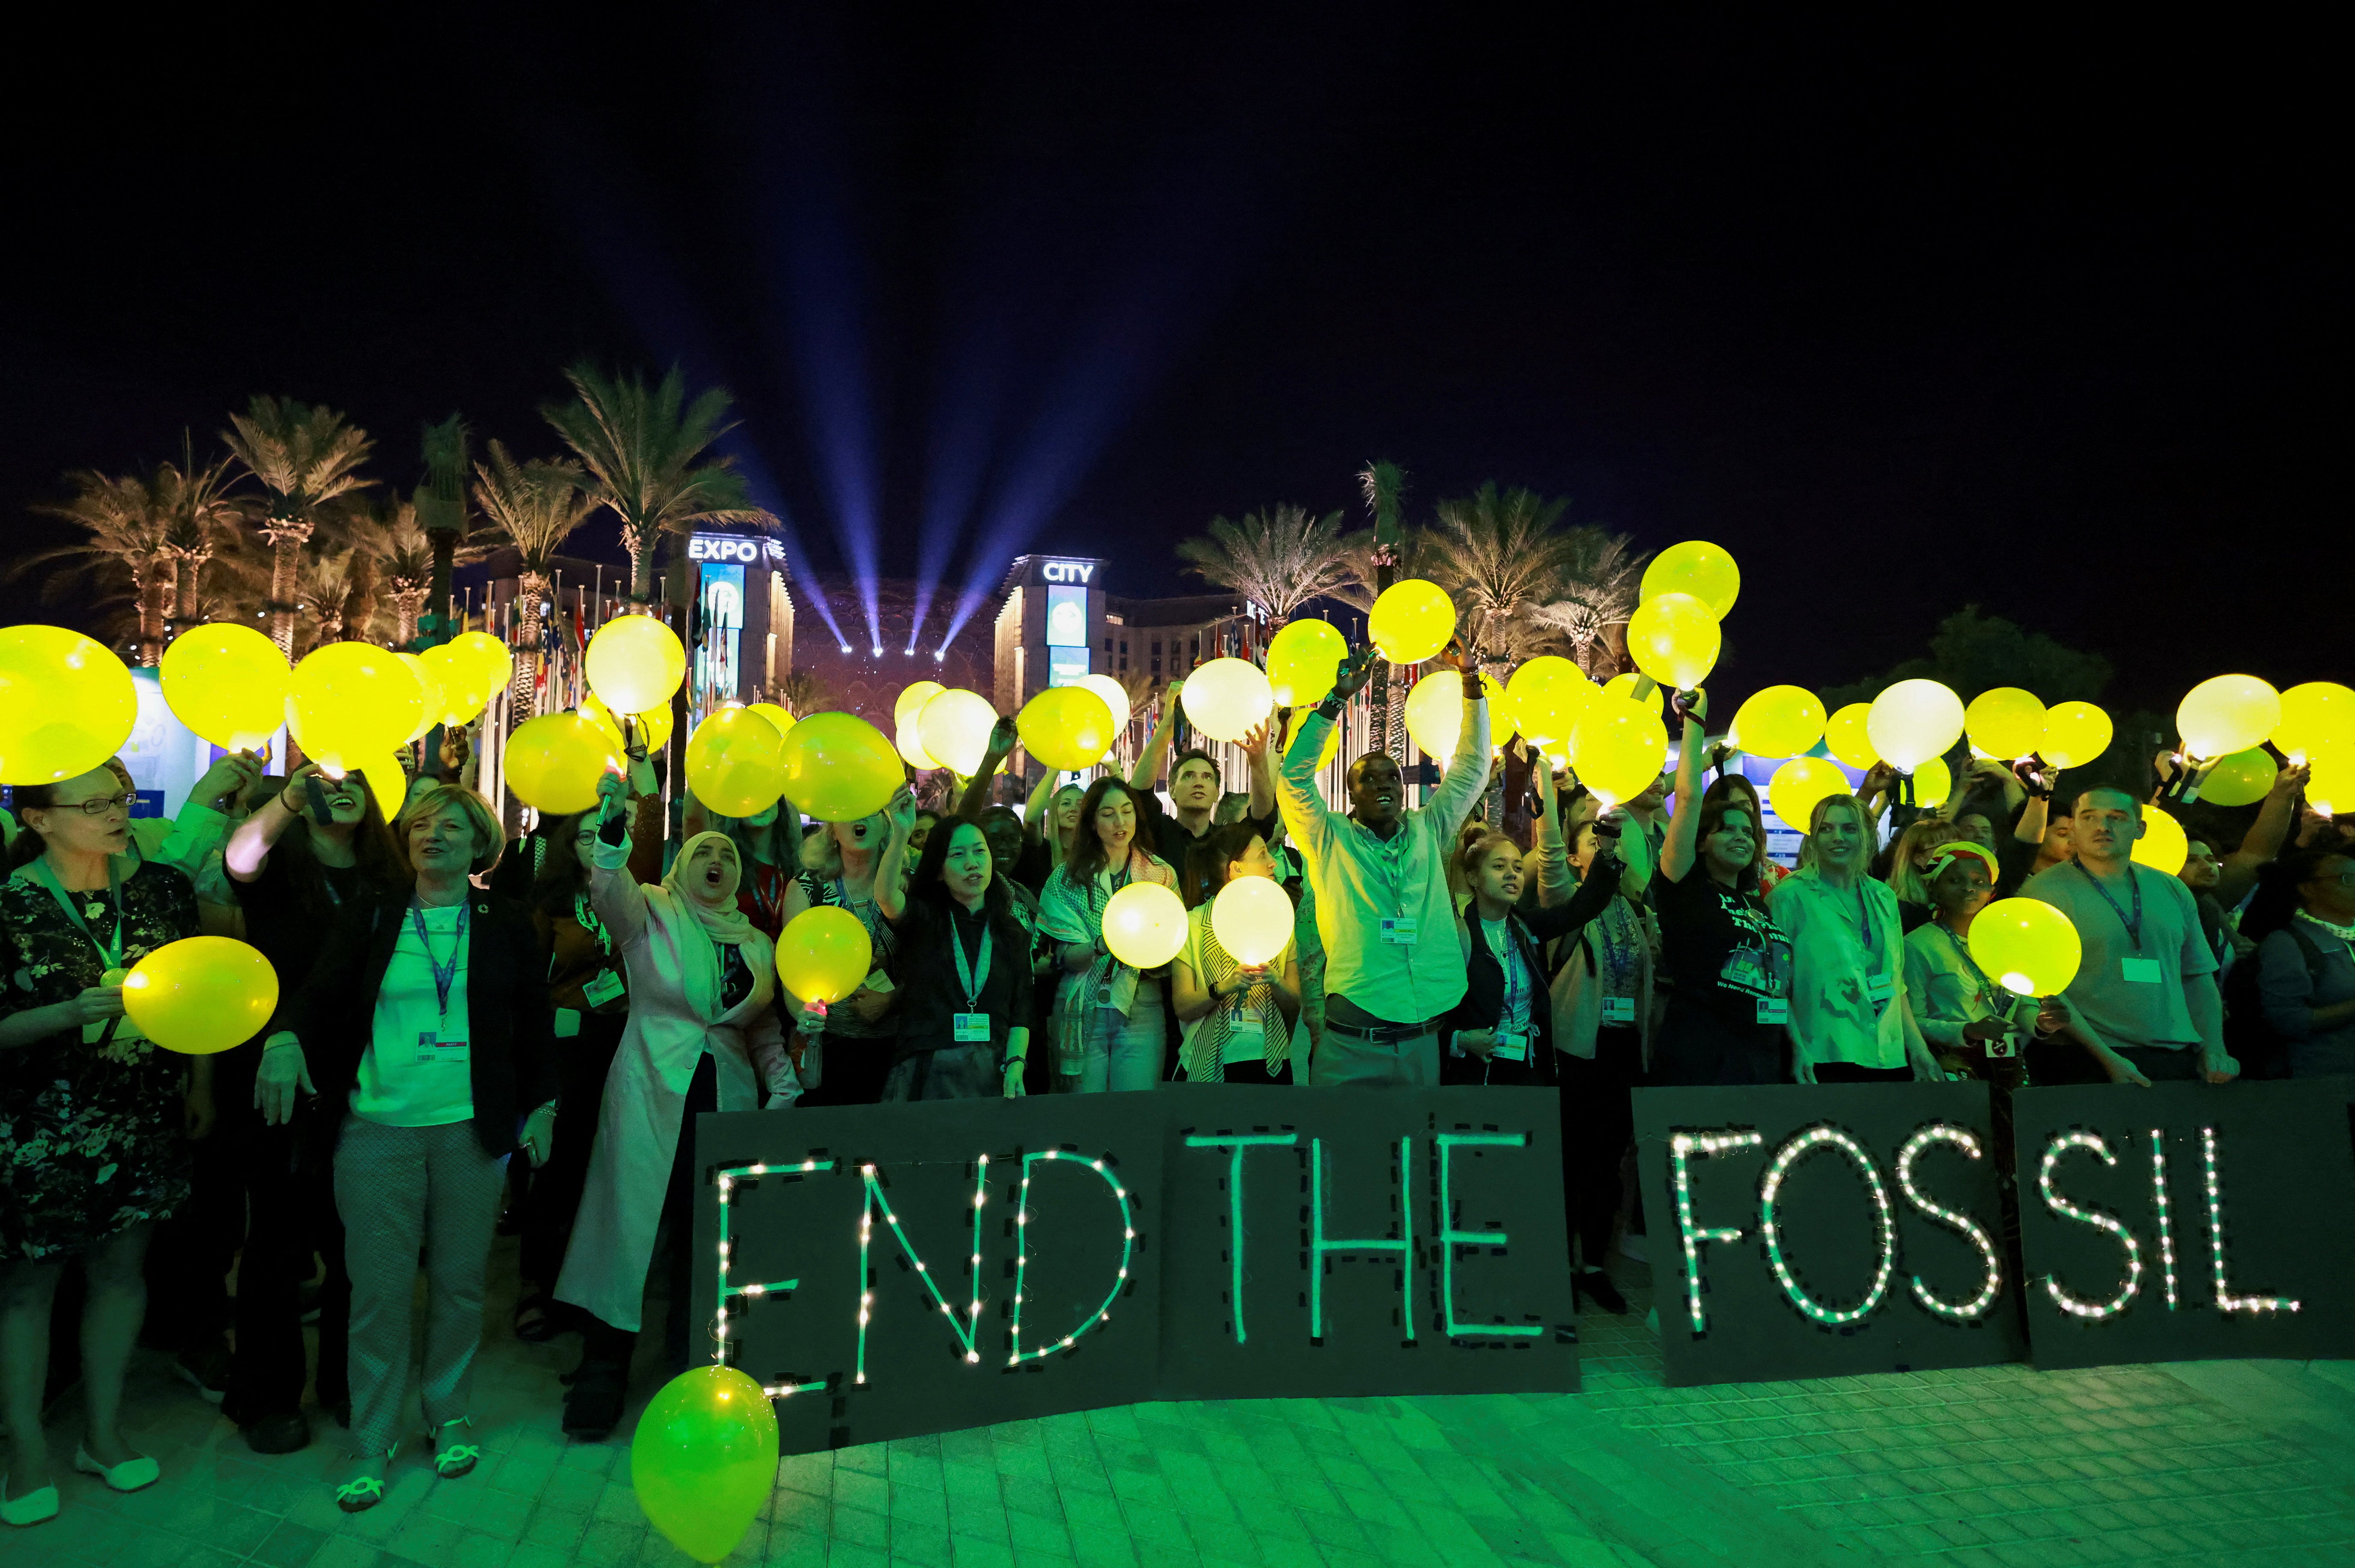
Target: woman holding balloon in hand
(92, 1116)
(703, 1035)
(1112, 1032)
(1237, 1017)
(858, 865)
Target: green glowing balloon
(705, 1460)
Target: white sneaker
(33, 1508)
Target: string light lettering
(1016, 1354)
(1771, 1232)
(729, 1179)
(2158, 1200)
(1991, 1283)
(1320, 1247)
(1237, 1143)
(963, 1328)
(2101, 1219)
(1450, 1237)
(1682, 1148)
(2226, 1301)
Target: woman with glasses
(93, 1118)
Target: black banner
(1803, 1231)
(889, 1271)
(2188, 1222)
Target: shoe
(33, 1508)
(341, 1408)
(284, 1432)
(132, 1474)
(451, 1460)
(535, 1319)
(592, 1406)
(1596, 1286)
(206, 1371)
(358, 1497)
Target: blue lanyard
(110, 950)
(2134, 926)
(1508, 963)
(445, 974)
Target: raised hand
(1355, 672)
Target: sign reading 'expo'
(888, 1271)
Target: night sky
(1904, 312)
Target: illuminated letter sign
(1067, 571)
(735, 548)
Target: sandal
(359, 1496)
(534, 1321)
(458, 1458)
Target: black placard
(1835, 1146)
(2283, 1216)
(1125, 1251)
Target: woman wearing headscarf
(703, 1036)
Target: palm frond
(646, 451)
(534, 506)
(1281, 559)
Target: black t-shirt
(290, 932)
(1721, 948)
(1033, 865)
(1170, 840)
(925, 973)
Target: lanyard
(1989, 995)
(589, 921)
(1509, 962)
(444, 976)
(965, 972)
(109, 950)
(2134, 926)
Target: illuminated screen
(1067, 618)
(716, 673)
(1066, 666)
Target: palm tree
(201, 519)
(534, 506)
(644, 448)
(1498, 556)
(325, 590)
(441, 513)
(128, 530)
(1280, 558)
(405, 557)
(1374, 560)
(305, 457)
(1598, 589)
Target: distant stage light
(845, 647)
(939, 654)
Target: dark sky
(1906, 313)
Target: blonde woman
(1850, 1022)
(845, 1050)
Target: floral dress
(90, 1138)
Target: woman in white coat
(703, 1036)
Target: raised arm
(1466, 778)
(890, 877)
(1552, 854)
(2265, 837)
(203, 822)
(1307, 820)
(1003, 739)
(1259, 743)
(1034, 810)
(1147, 771)
(248, 847)
(616, 896)
(1682, 845)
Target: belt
(1383, 1034)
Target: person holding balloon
(962, 970)
(427, 1018)
(1112, 1032)
(1237, 1017)
(703, 1035)
(845, 1049)
(1850, 1021)
(93, 1118)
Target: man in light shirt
(1393, 967)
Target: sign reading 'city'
(889, 1271)
(1817, 1231)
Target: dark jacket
(1484, 995)
(510, 1060)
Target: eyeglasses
(98, 805)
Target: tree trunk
(187, 577)
(406, 603)
(154, 587)
(286, 539)
(531, 588)
(642, 566)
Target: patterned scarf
(1209, 1061)
(1072, 911)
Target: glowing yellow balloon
(1698, 567)
(1675, 640)
(1639, 688)
(1252, 918)
(432, 686)
(2027, 947)
(1617, 748)
(824, 953)
(1411, 621)
(653, 726)
(1434, 713)
(2315, 716)
(351, 701)
(201, 994)
(1303, 660)
(387, 780)
(783, 721)
(735, 762)
(1114, 695)
(228, 683)
(1798, 784)
(2162, 847)
(1933, 782)
(634, 663)
(954, 729)
(489, 659)
(1545, 697)
(912, 749)
(1780, 721)
(447, 672)
(553, 762)
(1066, 728)
(839, 768)
(1226, 697)
(1844, 737)
(2241, 779)
(912, 699)
(1914, 721)
(2227, 713)
(2005, 722)
(2330, 790)
(1144, 925)
(66, 704)
(703, 1459)
(1325, 753)
(2075, 734)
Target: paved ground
(2223, 1463)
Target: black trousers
(606, 1350)
(1598, 1123)
(553, 1200)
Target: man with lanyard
(2147, 984)
(1392, 968)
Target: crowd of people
(470, 1027)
